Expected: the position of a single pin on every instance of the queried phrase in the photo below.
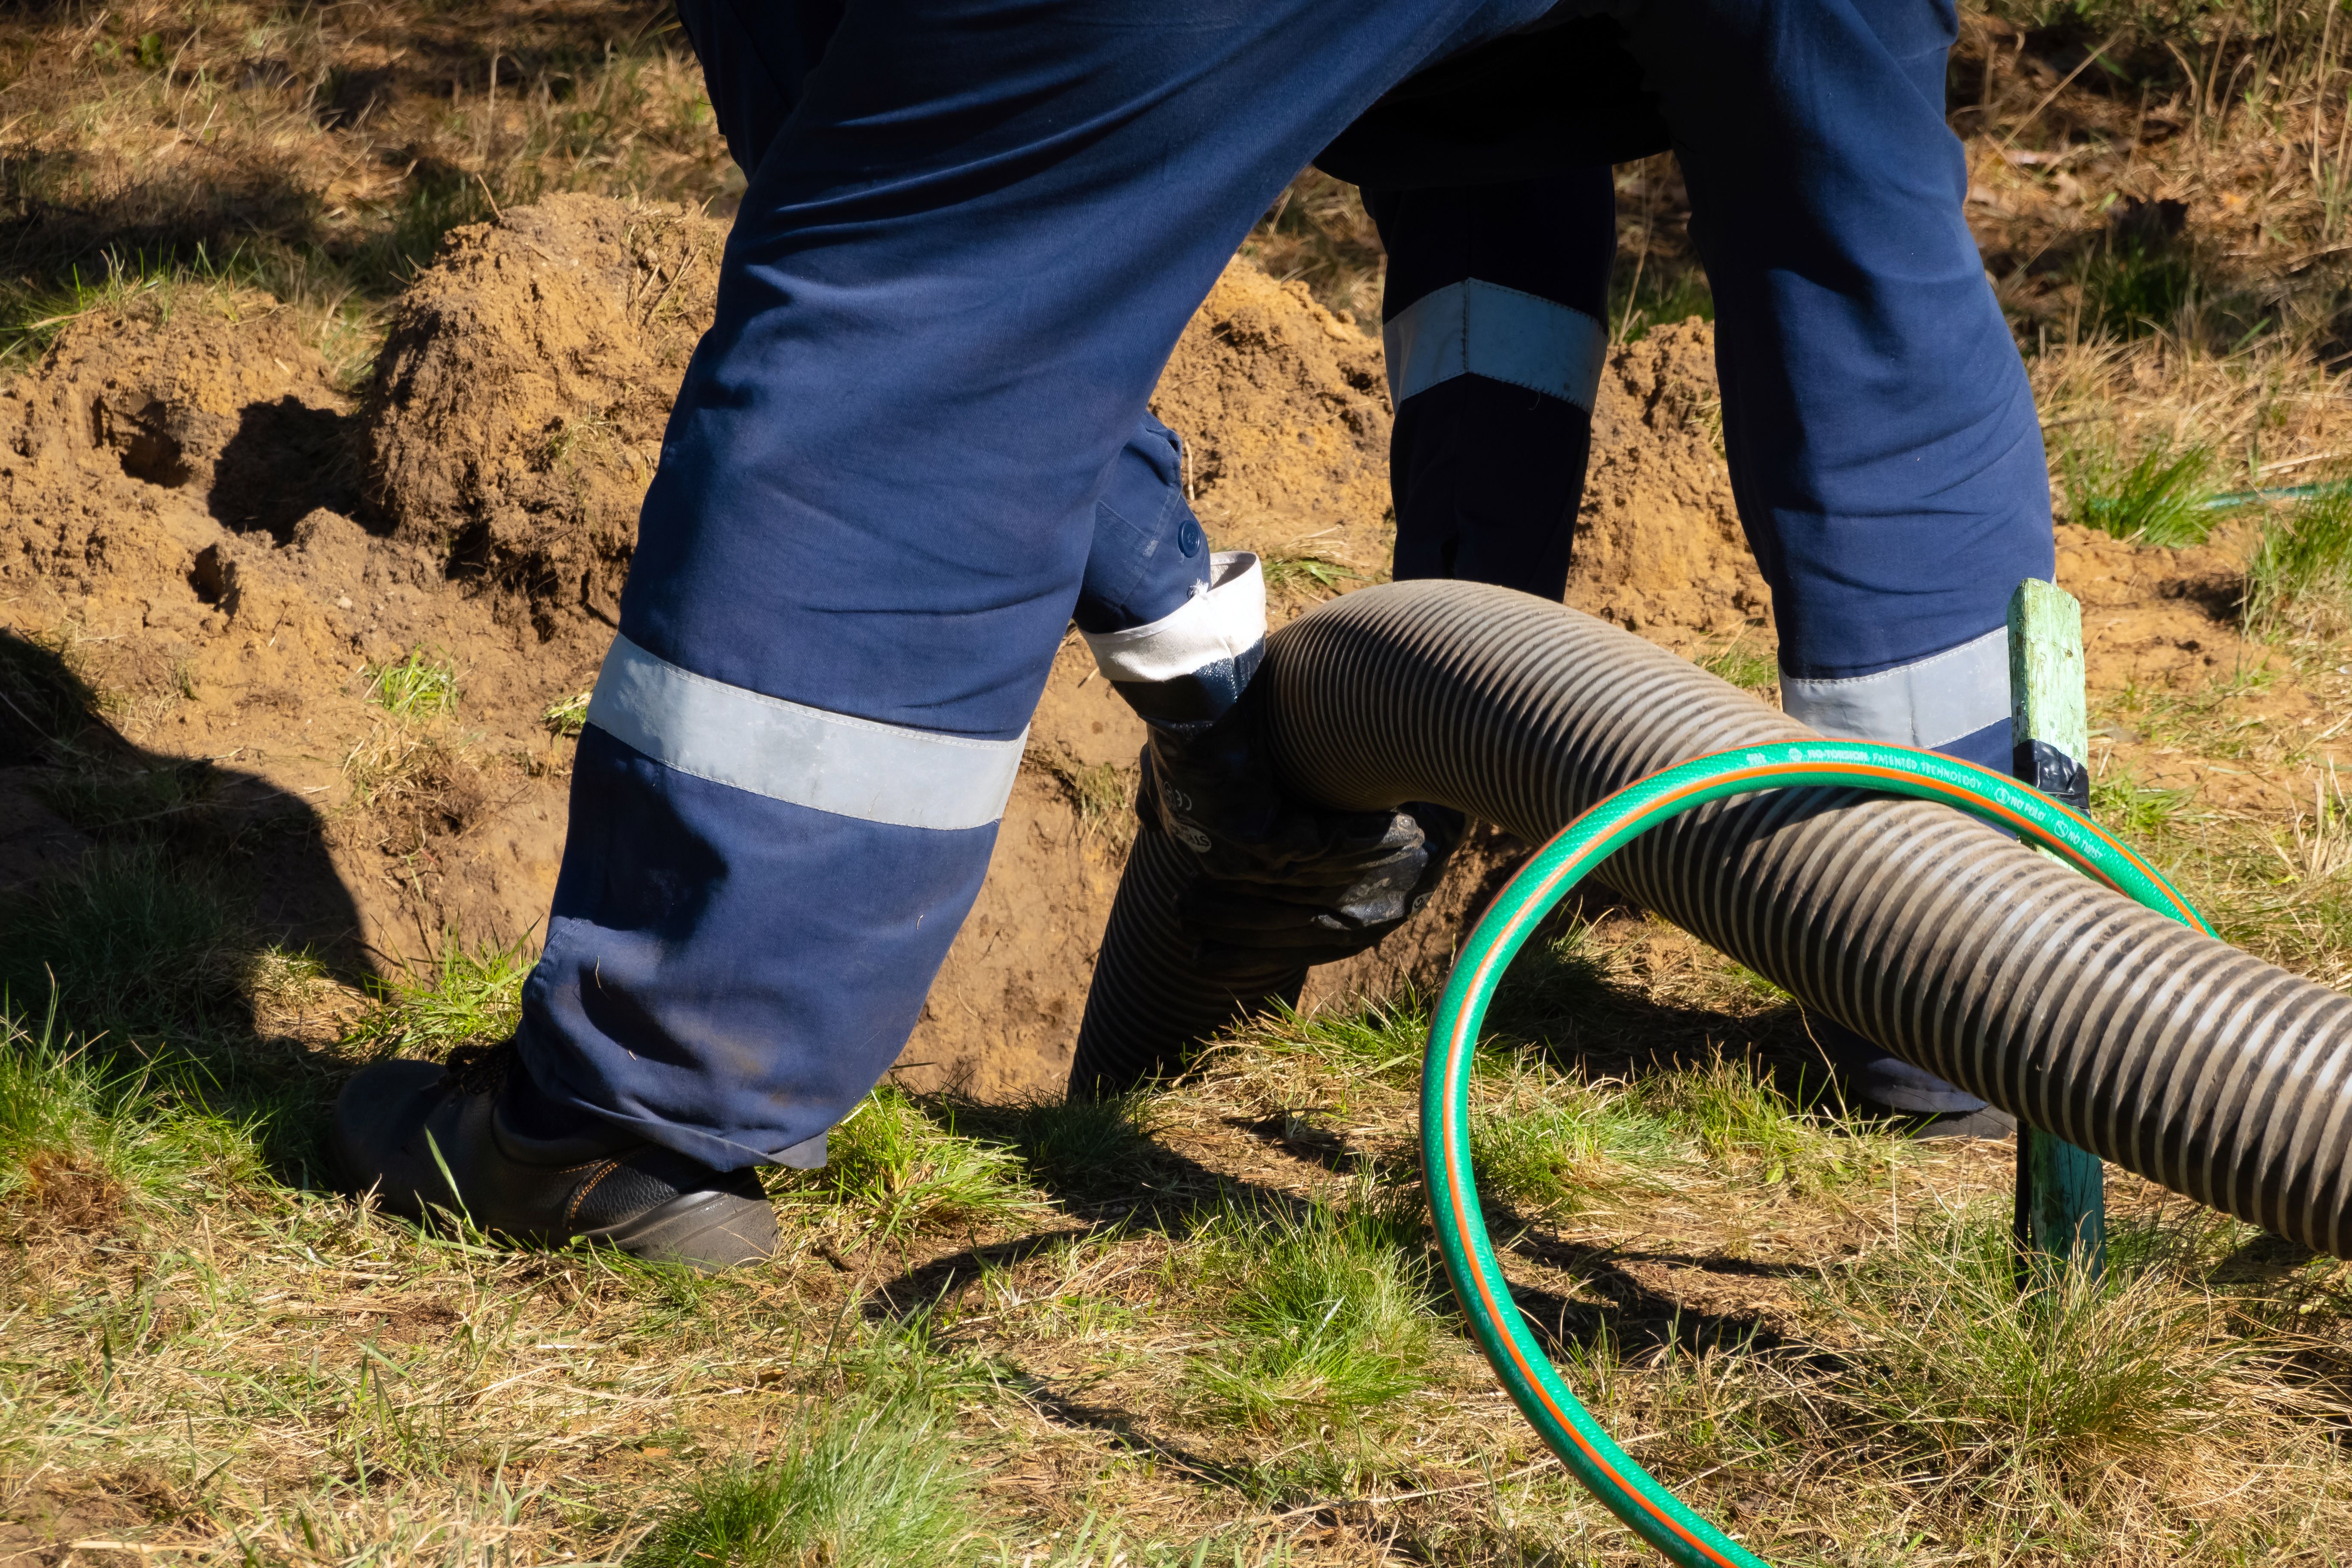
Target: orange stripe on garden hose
(1450, 1112)
(1494, 1313)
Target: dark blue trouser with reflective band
(955, 276)
(1493, 324)
(1493, 430)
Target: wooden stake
(2062, 1200)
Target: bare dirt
(193, 517)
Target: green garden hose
(1567, 1427)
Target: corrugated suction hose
(2167, 1052)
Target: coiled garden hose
(1621, 1485)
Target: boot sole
(707, 1232)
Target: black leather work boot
(394, 1118)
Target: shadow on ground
(166, 907)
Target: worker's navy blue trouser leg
(953, 281)
(1492, 323)
(1488, 456)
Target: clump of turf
(2299, 577)
(1740, 1115)
(1328, 1316)
(1557, 1148)
(1957, 1365)
(416, 687)
(857, 1480)
(903, 1171)
(1083, 1146)
(80, 1138)
(2158, 500)
(467, 996)
(134, 940)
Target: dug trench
(214, 565)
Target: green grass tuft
(2131, 288)
(1736, 1114)
(469, 996)
(876, 1483)
(1559, 983)
(568, 717)
(135, 941)
(1743, 667)
(1960, 1369)
(2158, 500)
(1578, 1141)
(1312, 575)
(2119, 799)
(1656, 294)
(1329, 1312)
(1085, 1146)
(1383, 1040)
(2299, 576)
(416, 688)
(908, 1171)
(78, 1137)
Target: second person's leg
(1493, 323)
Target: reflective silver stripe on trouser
(1223, 619)
(1477, 328)
(1929, 702)
(786, 750)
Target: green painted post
(2061, 1197)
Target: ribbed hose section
(2169, 1053)
(1163, 1003)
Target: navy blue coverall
(959, 267)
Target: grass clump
(2138, 809)
(2158, 500)
(1737, 1113)
(1960, 1369)
(467, 996)
(415, 688)
(1576, 1142)
(908, 1173)
(2299, 577)
(1329, 1318)
(568, 717)
(1084, 1146)
(1316, 576)
(134, 941)
(874, 1482)
(78, 1139)
(2132, 288)
(1559, 983)
(1743, 667)
(1653, 294)
(1382, 1039)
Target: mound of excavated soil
(209, 531)
(516, 415)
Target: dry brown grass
(1821, 1365)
